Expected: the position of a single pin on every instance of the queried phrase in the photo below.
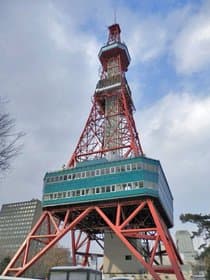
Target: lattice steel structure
(109, 184)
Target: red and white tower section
(110, 194)
(110, 130)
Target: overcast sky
(49, 69)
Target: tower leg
(80, 240)
(48, 231)
(129, 220)
(157, 237)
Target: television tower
(109, 184)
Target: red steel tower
(110, 134)
(110, 129)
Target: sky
(49, 68)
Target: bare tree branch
(10, 144)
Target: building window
(128, 257)
(112, 170)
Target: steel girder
(91, 143)
(128, 220)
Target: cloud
(182, 35)
(191, 47)
(48, 72)
(176, 130)
(147, 40)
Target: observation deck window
(97, 190)
(103, 171)
(133, 166)
(141, 184)
(122, 168)
(118, 169)
(107, 171)
(135, 185)
(128, 167)
(118, 187)
(78, 175)
(112, 170)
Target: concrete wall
(117, 258)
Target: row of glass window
(103, 171)
(14, 234)
(10, 246)
(23, 205)
(18, 213)
(10, 223)
(18, 216)
(95, 190)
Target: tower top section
(114, 48)
(114, 33)
(110, 132)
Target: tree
(9, 139)
(56, 256)
(203, 230)
(201, 221)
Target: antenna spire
(115, 15)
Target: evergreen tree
(203, 230)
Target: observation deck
(97, 181)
